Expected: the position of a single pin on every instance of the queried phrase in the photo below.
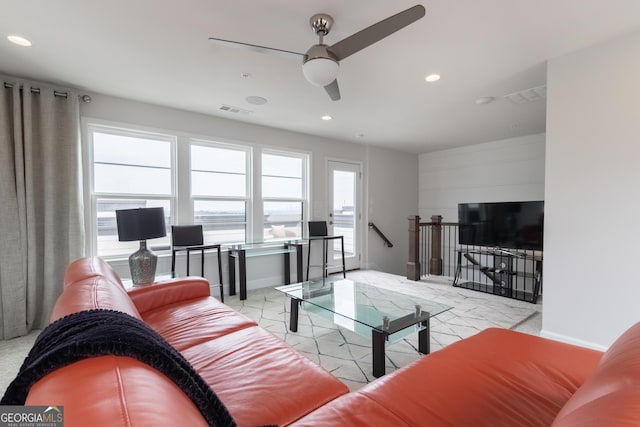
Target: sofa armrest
(147, 298)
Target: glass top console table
(368, 310)
(242, 251)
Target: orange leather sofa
(260, 379)
(495, 378)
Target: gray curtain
(41, 226)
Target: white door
(344, 210)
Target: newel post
(413, 264)
(435, 262)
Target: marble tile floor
(348, 356)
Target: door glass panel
(344, 202)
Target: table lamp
(141, 224)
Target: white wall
(263, 272)
(592, 207)
(497, 171)
(392, 189)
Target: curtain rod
(84, 98)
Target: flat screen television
(510, 225)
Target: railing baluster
(429, 250)
(425, 254)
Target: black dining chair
(318, 231)
(189, 238)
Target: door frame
(356, 261)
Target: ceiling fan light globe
(320, 71)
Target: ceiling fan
(321, 62)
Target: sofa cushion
(611, 396)
(157, 295)
(115, 391)
(495, 378)
(261, 379)
(85, 268)
(185, 324)
(90, 283)
(244, 363)
(94, 333)
(355, 410)
(95, 292)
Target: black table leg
(287, 266)
(344, 269)
(202, 262)
(308, 258)
(173, 263)
(220, 274)
(232, 274)
(424, 338)
(378, 339)
(325, 250)
(293, 315)
(299, 263)
(242, 265)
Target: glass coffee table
(368, 310)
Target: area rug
(348, 356)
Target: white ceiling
(157, 52)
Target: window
(219, 190)
(196, 182)
(129, 170)
(284, 193)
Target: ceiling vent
(235, 110)
(528, 95)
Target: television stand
(513, 274)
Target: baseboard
(571, 340)
(368, 266)
(264, 282)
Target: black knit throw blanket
(106, 332)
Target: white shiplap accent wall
(497, 171)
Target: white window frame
(303, 199)
(181, 198)
(247, 198)
(91, 221)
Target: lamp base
(142, 264)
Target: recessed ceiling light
(432, 78)
(256, 100)
(326, 118)
(485, 100)
(21, 41)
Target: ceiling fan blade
(376, 32)
(333, 90)
(256, 48)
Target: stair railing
(384, 238)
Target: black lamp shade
(140, 224)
